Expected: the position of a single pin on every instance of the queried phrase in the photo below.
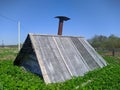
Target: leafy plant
(15, 78)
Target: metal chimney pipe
(61, 19)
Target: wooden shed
(58, 58)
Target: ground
(15, 78)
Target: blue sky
(88, 18)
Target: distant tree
(102, 42)
(98, 41)
(112, 43)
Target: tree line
(111, 42)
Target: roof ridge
(53, 35)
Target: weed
(14, 78)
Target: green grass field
(14, 78)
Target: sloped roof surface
(62, 57)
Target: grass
(14, 78)
(8, 53)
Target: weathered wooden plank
(61, 68)
(58, 58)
(85, 54)
(93, 53)
(40, 61)
(51, 61)
(72, 58)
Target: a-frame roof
(61, 57)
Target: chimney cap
(63, 18)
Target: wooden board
(65, 57)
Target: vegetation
(15, 78)
(111, 43)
